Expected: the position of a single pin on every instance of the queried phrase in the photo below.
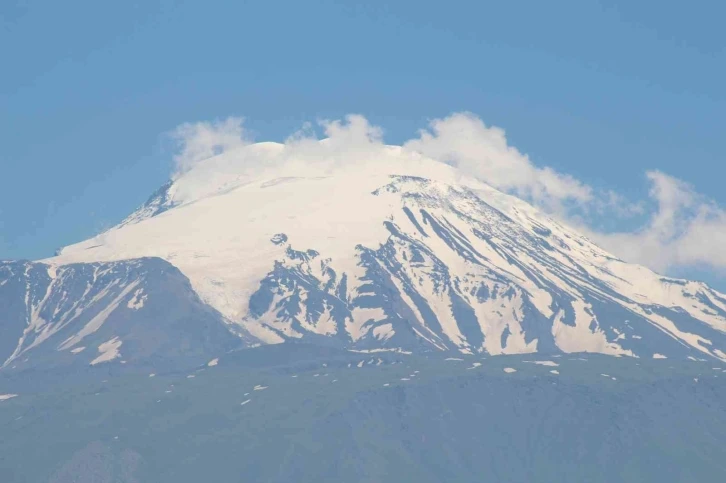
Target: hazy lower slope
(294, 413)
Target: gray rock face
(138, 312)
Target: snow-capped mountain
(401, 254)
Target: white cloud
(199, 141)
(231, 159)
(464, 141)
(683, 230)
(353, 140)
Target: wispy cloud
(686, 229)
(198, 141)
(683, 229)
(464, 141)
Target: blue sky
(602, 91)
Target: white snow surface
(137, 301)
(221, 218)
(109, 351)
(544, 363)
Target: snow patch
(137, 301)
(109, 351)
(397, 350)
(362, 320)
(586, 335)
(383, 332)
(544, 363)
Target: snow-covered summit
(392, 249)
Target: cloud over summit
(197, 141)
(464, 141)
(684, 229)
